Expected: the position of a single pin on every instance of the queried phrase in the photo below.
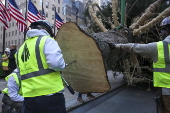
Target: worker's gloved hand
(0, 91)
(112, 45)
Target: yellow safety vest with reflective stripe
(16, 77)
(5, 62)
(162, 66)
(36, 77)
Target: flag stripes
(58, 21)
(4, 15)
(6, 11)
(33, 14)
(17, 15)
(32, 18)
(3, 19)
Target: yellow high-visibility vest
(16, 77)
(162, 66)
(36, 77)
(5, 62)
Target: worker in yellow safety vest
(5, 62)
(40, 61)
(159, 52)
(12, 97)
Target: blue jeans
(44, 104)
(80, 95)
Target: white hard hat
(7, 49)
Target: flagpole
(3, 47)
(25, 31)
(54, 19)
(4, 31)
(42, 11)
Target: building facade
(66, 9)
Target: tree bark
(147, 26)
(152, 8)
(114, 13)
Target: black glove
(0, 91)
(112, 45)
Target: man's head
(165, 27)
(7, 50)
(13, 46)
(42, 24)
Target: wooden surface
(88, 73)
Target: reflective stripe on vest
(166, 67)
(36, 73)
(41, 70)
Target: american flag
(33, 14)
(3, 19)
(43, 17)
(6, 11)
(4, 15)
(58, 21)
(17, 15)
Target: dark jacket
(12, 64)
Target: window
(9, 25)
(12, 42)
(58, 9)
(58, 1)
(19, 41)
(9, 43)
(6, 35)
(1, 36)
(54, 0)
(46, 14)
(15, 32)
(53, 17)
(47, 4)
(40, 2)
(9, 34)
(12, 24)
(15, 42)
(1, 28)
(6, 44)
(34, 1)
(68, 19)
(19, 32)
(12, 33)
(63, 10)
(68, 10)
(53, 7)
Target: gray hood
(36, 32)
(167, 39)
